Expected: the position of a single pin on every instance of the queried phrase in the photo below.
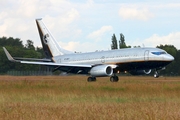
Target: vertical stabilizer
(50, 45)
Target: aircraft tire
(156, 75)
(91, 79)
(114, 78)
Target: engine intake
(101, 71)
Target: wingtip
(10, 58)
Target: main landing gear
(91, 79)
(113, 78)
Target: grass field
(67, 98)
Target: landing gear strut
(114, 78)
(91, 79)
(156, 74)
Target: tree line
(17, 49)
(172, 69)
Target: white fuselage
(114, 56)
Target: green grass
(56, 97)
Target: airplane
(136, 61)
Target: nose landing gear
(156, 74)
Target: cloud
(69, 17)
(167, 5)
(28, 8)
(89, 3)
(80, 47)
(171, 39)
(17, 19)
(97, 35)
(63, 20)
(71, 46)
(69, 20)
(134, 13)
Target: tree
(122, 43)
(171, 49)
(171, 69)
(4, 41)
(17, 49)
(40, 51)
(114, 42)
(29, 45)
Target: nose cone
(169, 58)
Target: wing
(47, 62)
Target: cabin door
(146, 55)
(103, 59)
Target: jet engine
(140, 72)
(101, 71)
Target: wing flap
(56, 64)
(33, 59)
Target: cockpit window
(158, 53)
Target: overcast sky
(88, 25)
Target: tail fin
(50, 45)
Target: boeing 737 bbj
(136, 61)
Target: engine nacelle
(101, 71)
(140, 72)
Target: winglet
(10, 58)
